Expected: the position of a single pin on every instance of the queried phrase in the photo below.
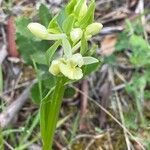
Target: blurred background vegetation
(109, 110)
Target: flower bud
(54, 68)
(38, 30)
(83, 10)
(76, 34)
(93, 28)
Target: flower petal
(73, 73)
(77, 60)
(54, 68)
(77, 74)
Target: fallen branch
(11, 111)
(110, 30)
(3, 54)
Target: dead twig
(84, 103)
(58, 145)
(12, 48)
(105, 92)
(11, 111)
(8, 145)
(110, 30)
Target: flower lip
(73, 73)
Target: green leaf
(21, 27)
(140, 51)
(92, 51)
(47, 84)
(69, 92)
(122, 42)
(130, 120)
(27, 44)
(89, 60)
(70, 6)
(49, 112)
(57, 22)
(53, 25)
(50, 52)
(45, 15)
(68, 24)
(89, 17)
(67, 48)
(39, 57)
(61, 17)
(84, 45)
(39, 89)
(35, 94)
(88, 69)
(28, 47)
(78, 7)
(138, 42)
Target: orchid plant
(70, 29)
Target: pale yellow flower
(70, 67)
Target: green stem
(50, 108)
